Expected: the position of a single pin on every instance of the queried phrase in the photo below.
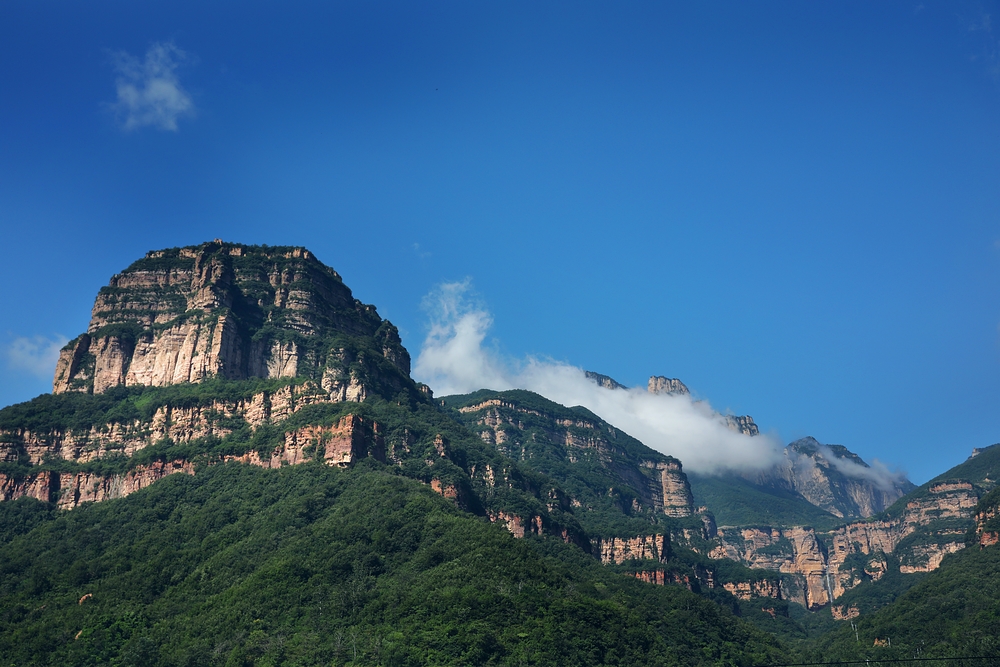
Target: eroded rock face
(988, 519)
(514, 429)
(178, 424)
(230, 311)
(759, 588)
(617, 550)
(69, 490)
(347, 441)
(832, 478)
(827, 565)
(664, 385)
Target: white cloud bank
(149, 92)
(455, 360)
(36, 355)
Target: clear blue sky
(793, 207)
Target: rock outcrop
(832, 478)
(826, 565)
(742, 424)
(235, 312)
(664, 385)
(617, 550)
(557, 441)
(350, 439)
(604, 381)
(987, 515)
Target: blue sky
(793, 207)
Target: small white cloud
(36, 355)
(149, 92)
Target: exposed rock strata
(823, 565)
(760, 588)
(742, 424)
(347, 441)
(223, 310)
(663, 385)
(832, 478)
(512, 428)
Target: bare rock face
(674, 492)
(604, 381)
(664, 385)
(229, 311)
(742, 424)
(834, 479)
(758, 588)
(528, 427)
(825, 565)
(988, 520)
(617, 550)
(350, 439)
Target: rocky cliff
(832, 478)
(600, 466)
(659, 384)
(232, 311)
(824, 565)
(224, 352)
(987, 515)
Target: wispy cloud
(456, 359)
(36, 355)
(149, 92)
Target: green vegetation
(738, 502)
(311, 565)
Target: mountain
(815, 484)
(952, 612)
(235, 312)
(919, 531)
(235, 468)
(792, 548)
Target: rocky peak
(742, 424)
(604, 380)
(231, 311)
(833, 478)
(664, 385)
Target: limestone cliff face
(987, 514)
(826, 565)
(742, 424)
(617, 550)
(347, 441)
(178, 424)
(832, 478)
(581, 449)
(604, 381)
(664, 385)
(758, 588)
(230, 311)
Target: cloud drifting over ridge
(36, 355)
(454, 359)
(149, 92)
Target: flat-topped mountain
(231, 311)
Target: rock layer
(230, 311)
(826, 565)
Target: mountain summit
(235, 312)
